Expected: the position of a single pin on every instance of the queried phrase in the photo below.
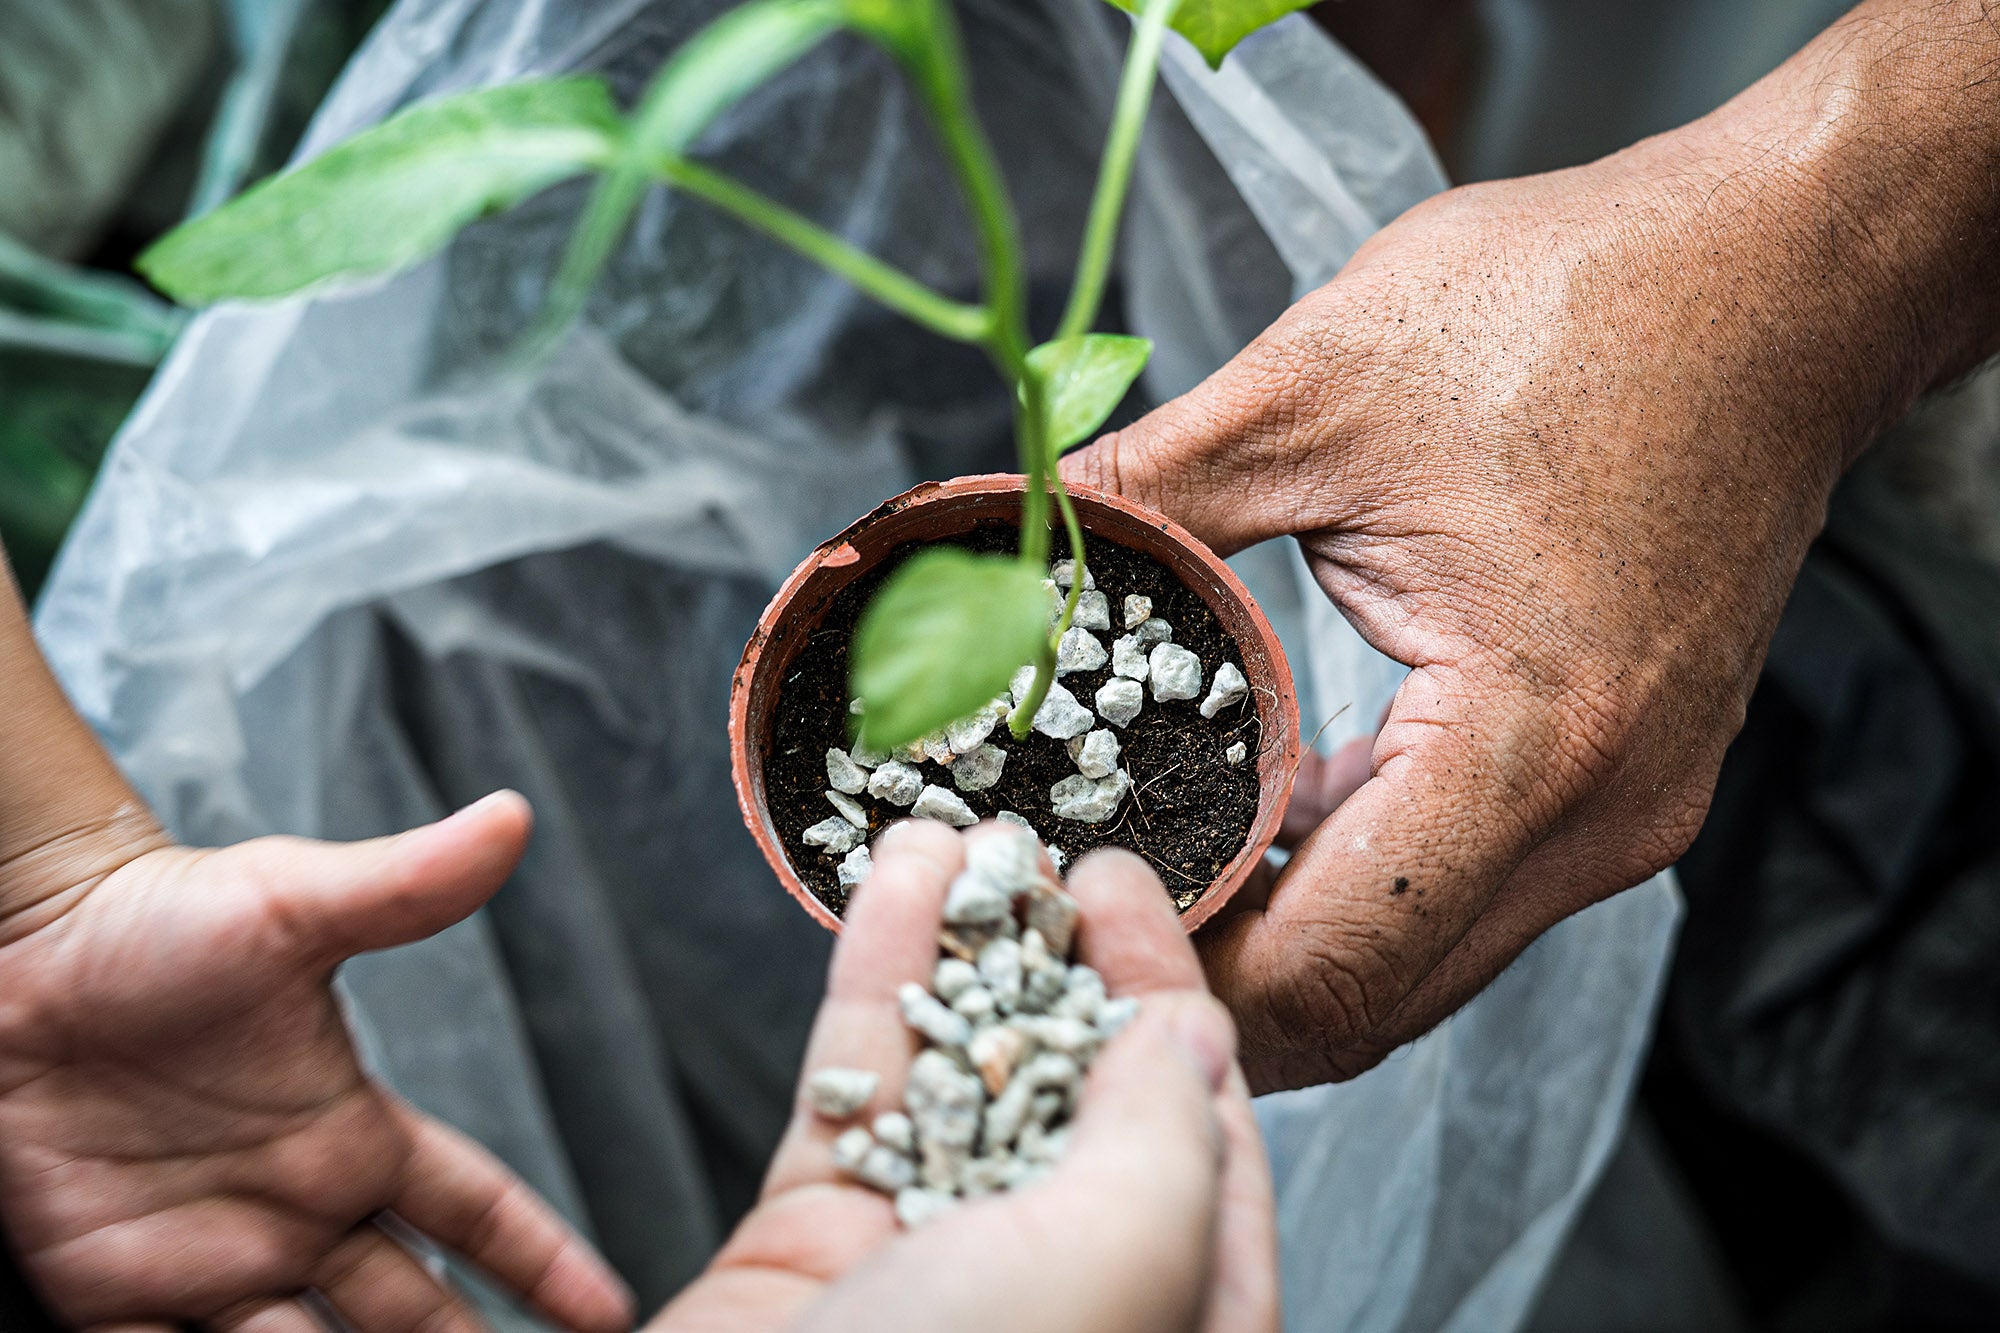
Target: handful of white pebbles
(1008, 1027)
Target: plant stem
(937, 66)
(887, 284)
(1114, 178)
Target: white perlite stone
(945, 807)
(943, 1101)
(1065, 574)
(1119, 700)
(850, 810)
(843, 774)
(966, 734)
(854, 868)
(1128, 657)
(1000, 969)
(1021, 682)
(975, 900)
(953, 977)
(1228, 688)
(1079, 650)
(851, 1149)
(836, 835)
(1007, 861)
(838, 1094)
(1061, 716)
(1089, 800)
(1093, 611)
(1176, 672)
(978, 768)
(1154, 630)
(1096, 754)
(936, 748)
(926, 1014)
(1058, 857)
(1015, 818)
(895, 782)
(1236, 753)
(1137, 609)
(976, 1006)
(894, 1130)
(866, 757)
(885, 1169)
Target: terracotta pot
(938, 510)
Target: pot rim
(1277, 762)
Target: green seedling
(949, 629)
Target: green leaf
(1216, 26)
(942, 638)
(716, 67)
(391, 195)
(1083, 380)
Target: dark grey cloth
(1829, 1065)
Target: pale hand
(1159, 1217)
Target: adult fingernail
(1204, 1032)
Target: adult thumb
(344, 899)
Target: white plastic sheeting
(340, 576)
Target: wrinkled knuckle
(1343, 991)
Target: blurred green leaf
(1083, 381)
(723, 62)
(1216, 26)
(391, 195)
(941, 639)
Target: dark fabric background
(1828, 1068)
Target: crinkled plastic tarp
(339, 577)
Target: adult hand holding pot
(1159, 1216)
(1559, 444)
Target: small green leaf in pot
(1083, 380)
(941, 639)
(1216, 26)
(391, 195)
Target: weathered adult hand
(185, 1133)
(1158, 1218)
(1559, 444)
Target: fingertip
(502, 813)
(1130, 929)
(581, 1293)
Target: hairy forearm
(1860, 186)
(67, 816)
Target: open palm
(185, 1130)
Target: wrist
(47, 870)
(1861, 181)
(67, 816)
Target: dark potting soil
(1189, 810)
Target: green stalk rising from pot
(947, 632)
